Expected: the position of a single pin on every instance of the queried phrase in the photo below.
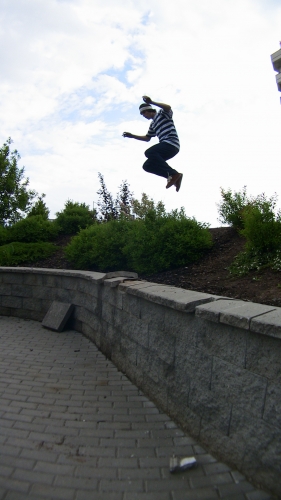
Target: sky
(73, 73)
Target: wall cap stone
(166, 295)
(268, 324)
(233, 312)
(213, 310)
(89, 275)
(114, 282)
(122, 274)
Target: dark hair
(146, 106)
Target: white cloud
(72, 74)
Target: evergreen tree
(124, 200)
(107, 206)
(39, 208)
(118, 208)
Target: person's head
(147, 111)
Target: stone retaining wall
(212, 363)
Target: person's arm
(165, 107)
(145, 138)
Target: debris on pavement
(180, 464)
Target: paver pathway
(73, 427)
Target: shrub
(74, 217)
(235, 205)
(3, 235)
(32, 229)
(262, 230)
(147, 245)
(17, 253)
(165, 242)
(232, 207)
(248, 261)
(99, 247)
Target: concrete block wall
(212, 363)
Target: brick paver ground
(72, 427)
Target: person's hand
(146, 99)
(127, 134)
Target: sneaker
(178, 183)
(172, 180)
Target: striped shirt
(163, 127)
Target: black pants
(157, 156)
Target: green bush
(74, 217)
(232, 207)
(165, 242)
(3, 235)
(262, 230)
(248, 261)
(99, 247)
(147, 245)
(17, 253)
(32, 229)
(235, 206)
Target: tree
(124, 200)
(15, 198)
(74, 216)
(145, 205)
(107, 206)
(114, 209)
(39, 208)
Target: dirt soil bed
(210, 275)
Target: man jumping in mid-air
(163, 127)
